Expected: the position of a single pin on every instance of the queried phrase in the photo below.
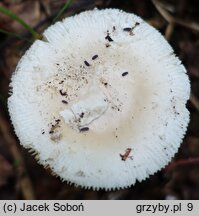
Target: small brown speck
(94, 57)
(126, 154)
(82, 115)
(114, 28)
(84, 129)
(107, 45)
(109, 38)
(43, 132)
(86, 63)
(136, 24)
(128, 29)
(62, 93)
(125, 73)
(64, 101)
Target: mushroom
(102, 100)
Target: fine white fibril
(102, 100)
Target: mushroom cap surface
(102, 100)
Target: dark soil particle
(124, 74)
(109, 38)
(62, 93)
(82, 115)
(84, 129)
(64, 101)
(94, 57)
(86, 63)
(127, 29)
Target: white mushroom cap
(102, 100)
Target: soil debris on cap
(62, 93)
(64, 101)
(126, 154)
(84, 129)
(125, 73)
(87, 64)
(94, 57)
